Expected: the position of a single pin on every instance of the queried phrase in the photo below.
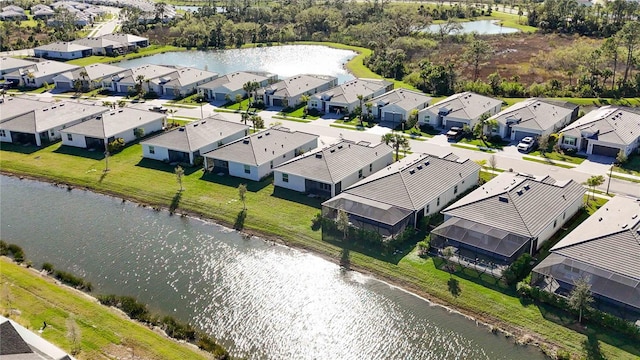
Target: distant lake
(285, 61)
(482, 27)
(190, 8)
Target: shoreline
(520, 336)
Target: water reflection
(261, 300)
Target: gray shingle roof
(197, 134)
(8, 63)
(13, 106)
(466, 105)
(44, 68)
(299, 84)
(149, 71)
(406, 99)
(234, 81)
(50, 116)
(348, 92)
(609, 239)
(62, 47)
(114, 122)
(403, 183)
(95, 42)
(262, 147)
(533, 113)
(187, 76)
(518, 204)
(335, 162)
(613, 124)
(11, 342)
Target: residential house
(127, 124)
(20, 343)
(459, 110)
(604, 131)
(343, 99)
(230, 85)
(328, 171)
(42, 12)
(182, 82)
(38, 122)
(397, 105)
(288, 92)
(13, 12)
(127, 80)
(533, 117)
(62, 50)
(605, 251)
(103, 46)
(192, 140)
(9, 64)
(400, 195)
(132, 40)
(508, 216)
(39, 73)
(90, 76)
(254, 157)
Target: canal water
(262, 301)
(482, 27)
(285, 61)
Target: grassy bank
(104, 332)
(216, 197)
(148, 51)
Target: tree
(397, 141)
(580, 297)
(493, 162)
(629, 37)
(250, 87)
(239, 101)
(593, 182)
(412, 121)
(621, 158)
(258, 122)
(242, 194)
(73, 335)
(543, 144)
(179, 174)
(476, 53)
(447, 253)
(139, 89)
(482, 124)
(610, 50)
(342, 223)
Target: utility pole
(609, 182)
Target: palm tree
(396, 141)
(593, 182)
(83, 75)
(139, 89)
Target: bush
(178, 330)
(423, 247)
(48, 267)
(198, 161)
(4, 248)
(206, 343)
(518, 269)
(115, 146)
(72, 280)
(495, 139)
(571, 151)
(17, 252)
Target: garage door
(63, 85)
(604, 150)
(221, 97)
(451, 124)
(277, 102)
(523, 134)
(394, 117)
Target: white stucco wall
(149, 128)
(353, 178)
(426, 116)
(6, 137)
(449, 195)
(160, 153)
(296, 183)
(76, 140)
(561, 219)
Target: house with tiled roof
(9, 64)
(192, 140)
(38, 73)
(26, 121)
(533, 117)
(604, 131)
(132, 41)
(605, 251)
(400, 195)
(344, 98)
(508, 216)
(459, 110)
(288, 92)
(230, 85)
(127, 124)
(254, 157)
(330, 170)
(397, 105)
(128, 79)
(62, 50)
(91, 76)
(103, 46)
(182, 82)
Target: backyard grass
(210, 195)
(547, 162)
(150, 50)
(103, 331)
(559, 157)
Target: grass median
(103, 331)
(215, 197)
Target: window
(360, 174)
(2, 133)
(285, 177)
(247, 169)
(69, 137)
(271, 164)
(426, 210)
(564, 215)
(427, 119)
(438, 201)
(455, 189)
(152, 150)
(370, 167)
(555, 223)
(571, 141)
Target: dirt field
(513, 55)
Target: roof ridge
(517, 209)
(597, 238)
(253, 149)
(404, 183)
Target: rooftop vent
(426, 163)
(259, 136)
(339, 146)
(625, 226)
(318, 155)
(520, 192)
(600, 219)
(246, 141)
(332, 150)
(267, 133)
(503, 199)
(419, 167)
(181, 129)
(61, 105)
(527, 187)
(412, 171)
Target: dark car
(159, 109)
(455, 133)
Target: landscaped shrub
(115, 146)
(423, 247)
(178, 330)
(17, 252)
(72, 280)
(206, 343)
(518, 269)
(198, 161)
(4, 248)
(48, 267)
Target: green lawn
(232, 105)
(300, 120)
(210, 195)
(625, 178)
(547, 162)
(559, 157)
(512, 21)
(151, 50)
(484, 144)
(353, 127)
(632, 166)
(486, 150)
(299, 113)
(103, 331)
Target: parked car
(159, 109)
(455, 133)
(527, 144)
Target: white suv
(527, 144)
